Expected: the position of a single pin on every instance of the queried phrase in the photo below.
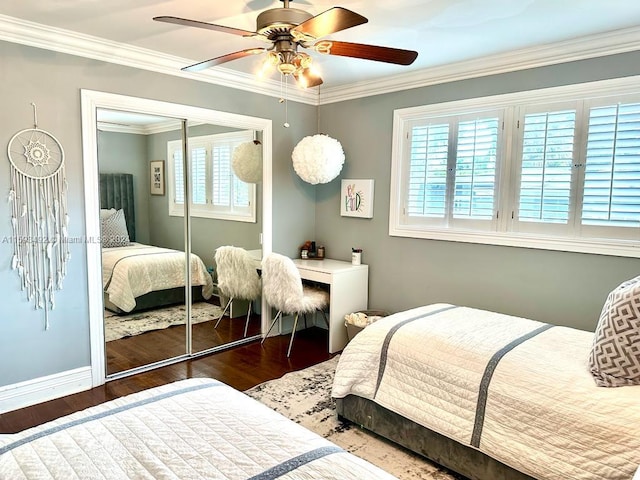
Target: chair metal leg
(304, 315)
(275, 319)
(324, 315)
(246, 325)
(293, 334)
(223, 312)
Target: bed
(191, 429)
(490, 396)
(136, 276)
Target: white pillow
(113, 230)
(106, 212)
(615, 355)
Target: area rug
(305, 397)
(121, 326)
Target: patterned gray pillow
(615, 355)
(113, 231)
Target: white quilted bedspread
(542, 414)
(192, 429)
(129, 272)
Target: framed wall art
(356, 198)
(157, 177)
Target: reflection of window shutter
(547, 159)
(476, 157)
(426, 194)
(199, 175)
(221, 174)
(240, 193)
(612, 170)
(178, 176)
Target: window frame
(208, 209)
(506, 233)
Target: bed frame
(116, 191)
(444, 451)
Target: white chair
(237, 278)
(283, 289)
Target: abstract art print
(356, 198)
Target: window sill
(597, 246)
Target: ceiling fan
(289, 28)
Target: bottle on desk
(356, 256)
(320, 252)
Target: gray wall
(127, 153)
(556, 287)
(53, 81)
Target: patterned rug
(120, 326)
(304, 397)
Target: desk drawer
(315, 276)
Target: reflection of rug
(120, 326)
(305, 397)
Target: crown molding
(64, 41)
(591, 46)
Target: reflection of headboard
(116, 191)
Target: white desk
(348, 292)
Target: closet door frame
(92, 100)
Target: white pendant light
(318, 159)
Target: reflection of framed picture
(157, 177)
(356, 198)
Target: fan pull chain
(286, 102)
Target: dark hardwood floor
(241, 367)
(157, 345)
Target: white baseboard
(38, 390)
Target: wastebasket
(357, 321)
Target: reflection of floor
(157, 345)
(120, 326)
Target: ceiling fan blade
(328, 22)
(223, 59)
(308, 79)
(209, 26)
(367, 52)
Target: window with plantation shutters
(215, 190)
(556, 169)
(452, 171)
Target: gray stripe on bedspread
(391, 333)
(296, 462)
(97, 416)
(486, 379)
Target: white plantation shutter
(547, 159)
(199, 175)
(221, 174)
(475, 173)
(426, 195)
(178, 177)
(611, 195)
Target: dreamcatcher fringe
(40, 224)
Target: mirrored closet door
(143, 248)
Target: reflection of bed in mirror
(137, 276)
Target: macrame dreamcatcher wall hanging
(39, 218)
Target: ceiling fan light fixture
(323, 47)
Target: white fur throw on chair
(283, 289)
(237, 275)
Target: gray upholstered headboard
(116, 191)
